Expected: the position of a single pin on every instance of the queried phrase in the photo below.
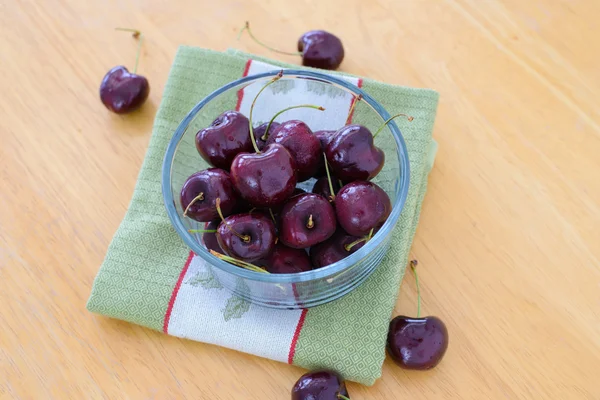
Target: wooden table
(509, 239)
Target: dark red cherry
(417, 343)
(202, 190)
(285, 260)
(122, 91)
(247, 237)
(226, 137)
(320, 385)
(265, 179)
(210, 238)
(321, 187)
(361, 206)
(321, 49)
(297, 137)
(306, 219)
(259, 132)
(336, 248)
(324, 138)
(352, 154)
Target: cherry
(417, 343)
(338, 247)
(226, 137)
(200, 192)
(320, 385)
(319, 49)
(352, 154)
(285, 260)
(122, 91)
(321, 187)
(209, 236)
(324, 138)
(361, 206)
(306, 219)
(297, 137)
(247, 237)
(265, 179)
(261, 130)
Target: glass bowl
(319, 286)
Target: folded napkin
(149, 277)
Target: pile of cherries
(256, 218)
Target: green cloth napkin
(145, 259)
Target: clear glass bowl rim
(316, 274)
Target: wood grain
(509, 239)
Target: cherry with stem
(266, 134)
(200, 197)
(349, 246)
(275, 79)
(245, 238)
(408, 117)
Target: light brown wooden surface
(509, 239)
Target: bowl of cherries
(288, 185)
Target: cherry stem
(245, 238)
(408, 117)
(237, 262)
(364, 239)
(200, 197)
(310, 224)
(138, 35)
(329, 178)
(356, 100)
(275, 79)
(202, 230)
(413, 266)
(266, 134)
(272, 216)
(342, 397)
(247, 28)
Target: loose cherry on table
(306, 219)
(417, 343)
(285, 260)
(122, 91)
(318, 48)
(200, 192)
(361, 206)
(297, 137)
(336, 248)
(226, 137)
(320, 385)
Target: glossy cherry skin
(260, 130)
(417, 343)
(321, 187)
(257, 227)
(285, 260)
(333, 249)
(319, 385)
(324, 138)
(298, 230)
(321, 49)
(210, 238)
(213, 183)
(122, 91)
(352, 155)
(297, 137)
(361, 206)
(265, 179)
(225, 138)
